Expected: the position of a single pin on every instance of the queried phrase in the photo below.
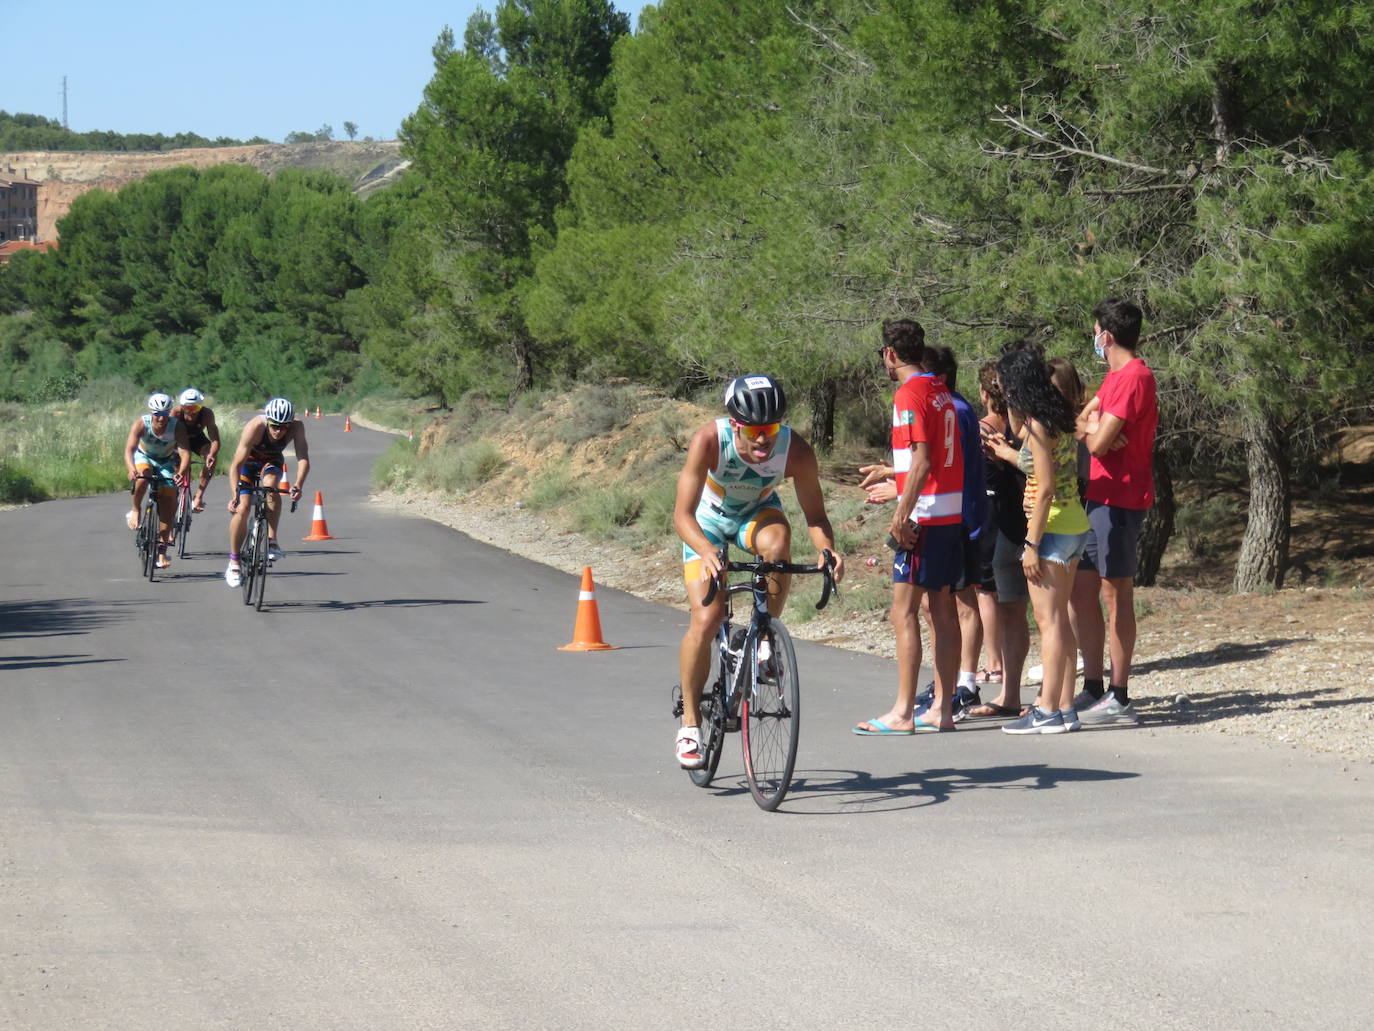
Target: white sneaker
(1036, 674)
(233, 576)
(131, 517)
(274, 552)
(689, 753)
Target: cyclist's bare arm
(247, 439)
(701, 459)
(302, 458)
(183, 446)
(211, 429)
(131, 445)
(805, 472)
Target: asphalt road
(390, 801)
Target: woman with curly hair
(1056, 527)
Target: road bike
(145, 536)
(253, 561)
(754, 687)
(181, 525)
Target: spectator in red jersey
(1118, 427)
(926, 532)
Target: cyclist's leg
(198, 501)
(694, 655)
(238, 521)
(141, 471)
(769, 536)
(271, 477)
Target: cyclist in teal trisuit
(156, 450)
(727, 492)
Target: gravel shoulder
(1295, 667)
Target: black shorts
(196, 442)
(1113, 534)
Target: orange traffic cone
(284, 485)
(319, 529)
(348, 424)
(317, 411)
(587, 630)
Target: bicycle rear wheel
(769, 720)
(712, 724)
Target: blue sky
(251, 68)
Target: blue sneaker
(1037, 721)
(925, 699)
(964, 699)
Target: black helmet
(755, 400)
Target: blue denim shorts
(1062, 547)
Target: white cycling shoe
(274, 552)
(233, 575)
(689, 753)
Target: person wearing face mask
(1118, 428)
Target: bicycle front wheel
(148, 534)
(260, 574)
(183, 523)
(248, 561)
(769, 719)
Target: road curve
(390, 801)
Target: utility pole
(64, 103)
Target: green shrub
(461, 468)
(596, 411)
(601, 514)
(549, 491)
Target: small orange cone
(319, 529)
(317, 411)
(284, 485)
(410, 435)
(587, 630)
(348, 424)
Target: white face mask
(1099, 348)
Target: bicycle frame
(756, 688)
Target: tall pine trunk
(822, 398)
(1264, 549)
(1159, 523)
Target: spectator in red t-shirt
(926, 529)
(1118, 427)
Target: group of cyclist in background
(158, 456)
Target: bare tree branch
(1062, 149)
(829, 41)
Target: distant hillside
(66, 175)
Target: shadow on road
(16, 662)
(855, 792)
(347, 606)
(1222, 653)
(57, 617)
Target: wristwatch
(1031, 544)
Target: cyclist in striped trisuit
(260, 459)
(727, 492)
(156, 451)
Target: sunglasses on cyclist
(758, 432)
(277, 425)
(190, 409)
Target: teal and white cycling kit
(736, 494)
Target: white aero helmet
(279, 409)
(159, 403)
(191, 396)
